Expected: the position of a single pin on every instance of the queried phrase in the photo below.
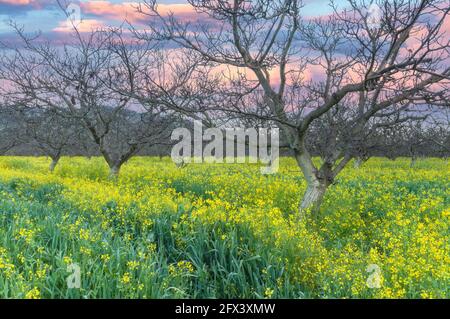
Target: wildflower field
(222, 231)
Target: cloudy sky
(44, 15)
(47, 16)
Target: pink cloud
(15, 6)
(128, 11)
(86, 25)
(105, 9)
(36, 4)
(17, 2)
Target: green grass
(221, 231)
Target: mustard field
(221, 231)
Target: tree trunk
(358, 162)
(316, 188)
(53, 164)
(312, 198)
(413, 162)
(114, 171)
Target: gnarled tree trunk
(317, 180)
(316, 188)
(312, 198)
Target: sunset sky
(44, 15)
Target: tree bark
(358, 162)
(53, 164)
(312, 198)
(413, 162)
(316, 188)
(114, 171)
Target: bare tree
(374, 68)
(52, 134)
(84, 80)
(8, 130)
(420, 139)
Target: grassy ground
(222, 231)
